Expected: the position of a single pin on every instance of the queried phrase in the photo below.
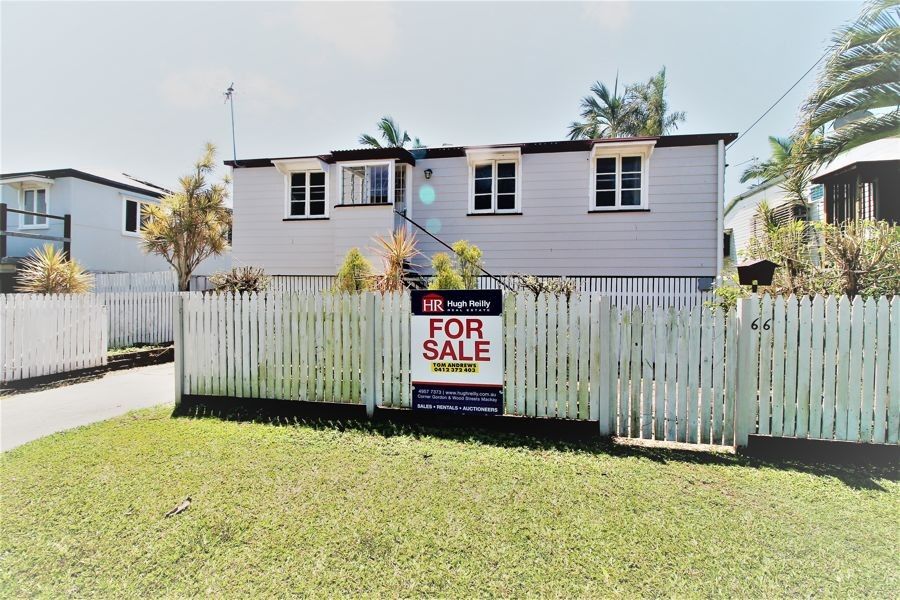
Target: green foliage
(854, 258)
(191, 224)
(555, 286)
(391, 134)
(241, 279)
(396, 251)
(317, 509)
(48, 271)
(469, 263)
(640, 110)
(355, 274)
(728, 293)
(445, 275)
(861, 76)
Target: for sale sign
(456, 340)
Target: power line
(768, 110)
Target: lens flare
(433, 225)
(426, 194)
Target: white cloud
(200, 88)
(608, 15)
(363, 31)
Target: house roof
(410, 156)
(885, 149)
(754, 190)
(115, 180)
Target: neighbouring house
(862, 183)
(105, 215)
(647, 207)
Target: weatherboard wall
(262, 237)
(554, 235)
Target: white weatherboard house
(608, 207)
(105, 220)
(862, 183)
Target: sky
(138, 87)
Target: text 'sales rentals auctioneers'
(456, 339)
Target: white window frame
(482, 156)
(287, 195)
(35, 224)
(140, 203)
(618, 151)
(368, 163)
(289, 166)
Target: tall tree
(391, 135)
(651, 107)
(604, 113)
(861, 74)
(191, 224)
(774, 166)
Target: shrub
(556, 286)
(469, 261)
(49, 271)
(445, 276)
(240, 279)
(727, 294)
(355, 274)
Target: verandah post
(747, 329)
(178, 325)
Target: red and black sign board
(456, 339)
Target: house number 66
(755, 324)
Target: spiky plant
(775, 165)
(241, 279)
(604, 113)
(191, 224)
(48, 271)
(651, 107)
(861, 75)
(391, 134)
(396, 252)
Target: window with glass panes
(618, 182)
(307, 196)
(34, 201)
(494, 186)
(365, 184)
(137, 215)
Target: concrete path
(26, 417)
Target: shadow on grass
(505, 432)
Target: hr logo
(432, 303)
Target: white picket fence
(139, 317)
(624, 292)
(154, 281)
(821, 369)
(44, 335)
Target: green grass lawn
(389, 511)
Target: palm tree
(861, 74)
(605, 114)
(782, 147)
(651, 112)
(390, 132)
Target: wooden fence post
(368, 349)
(178, 326)
(747, 326)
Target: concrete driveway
(27, 417)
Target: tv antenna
(229, 97)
